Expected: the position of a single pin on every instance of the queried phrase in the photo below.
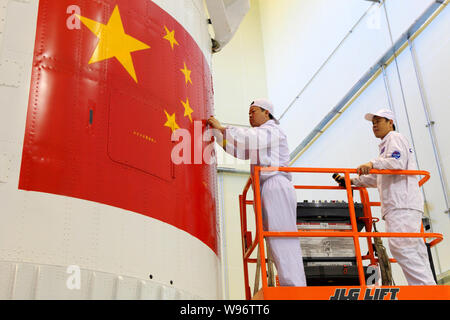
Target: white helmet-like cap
(384, 113)
(266, 105)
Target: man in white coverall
(266, 145)
(401, 199)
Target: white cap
(266, 105)
(384, 113)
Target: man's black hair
(270, 115)
(393, 124)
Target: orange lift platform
(361, 292)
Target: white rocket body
(58, 247)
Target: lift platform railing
(249, 245)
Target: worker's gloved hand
(339, 179)
(364, 168)
(215, 124)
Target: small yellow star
(171, 123)
(187, 109)
(170, 36)
(187, 74)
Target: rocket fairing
(105, 97)
(86, 175)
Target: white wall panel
(402, 13)
(367, 42)
(432, 50)
(298, 37)
(239, 71)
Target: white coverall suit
(266, 145)
(401, 206)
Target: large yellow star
(171, 123)
(170, 36)
(187, 109)
(114, 42)
(187, 73)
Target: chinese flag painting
(111, 81)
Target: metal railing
(249, 244)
